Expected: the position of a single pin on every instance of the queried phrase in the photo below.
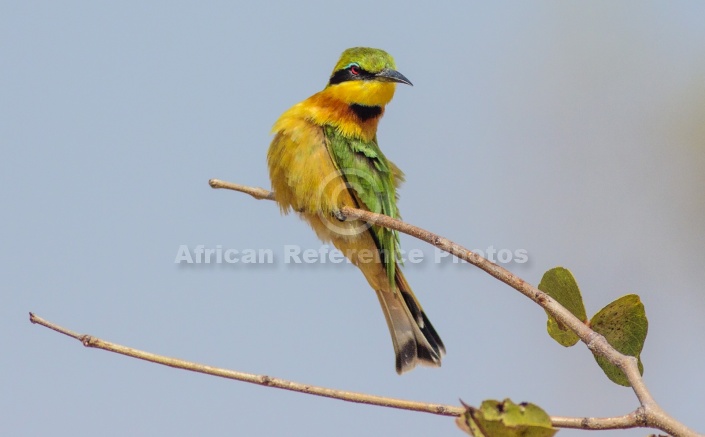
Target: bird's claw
(339, 215)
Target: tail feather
(414, 338)
(416, 311)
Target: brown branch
(627, 421)
(256, 192)
(650, 414)
(631, 420)
(360, 398)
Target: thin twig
(622, 422)
(627, 421)
(650, 413)
(256, 192)
(361, 398)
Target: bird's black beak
(389, 75)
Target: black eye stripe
(346, 74)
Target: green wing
(369, 174)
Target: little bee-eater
(325, 156)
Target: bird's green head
(365, 76)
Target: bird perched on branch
(325, 156)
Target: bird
(324, 156)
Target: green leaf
(506, 419)
(560, 284)
(624, 325)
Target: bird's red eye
(355, 70)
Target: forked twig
(648, 414)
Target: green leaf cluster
(506, 419)
(623, 322)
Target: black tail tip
(412, 353)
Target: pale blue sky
(570, 130)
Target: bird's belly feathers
(305, 179)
